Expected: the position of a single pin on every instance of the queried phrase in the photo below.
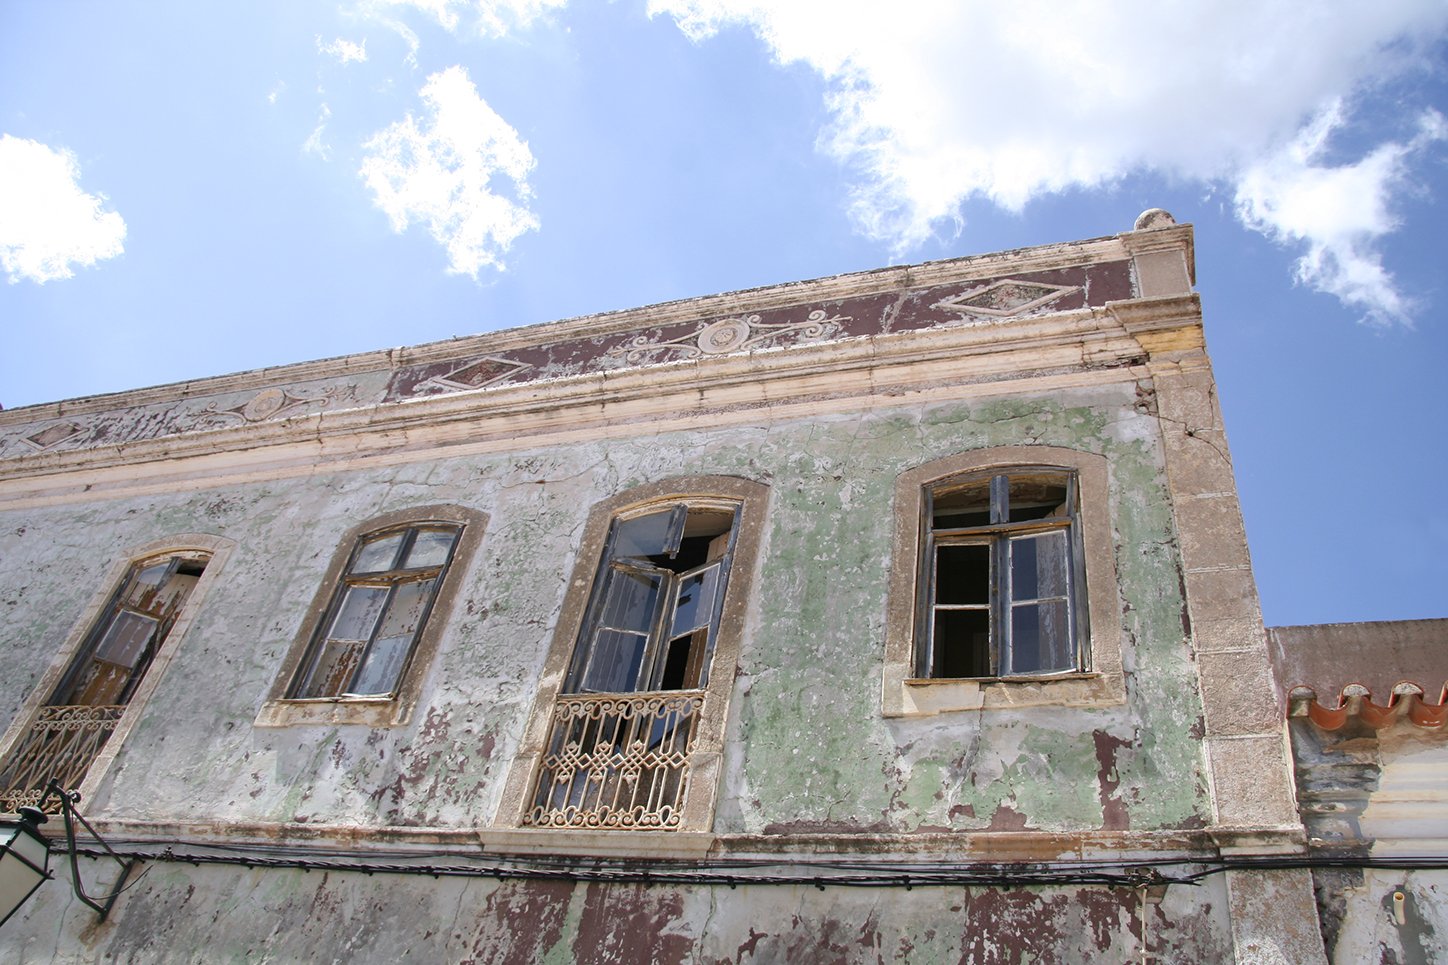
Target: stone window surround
(705, 765)
(1100, 683)
(278, 710)
(215, 550)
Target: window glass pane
(963, 505)
(142, 590)
(1040, 639)
(153, 574)
(358, 613)
(334, 669)
(614, 663)
(126, 638)
(961, 644)
(632, 599)
(962, 574)
(1039, 566)
(380, 669)
(694, 606)
(645, 536)
(430, 548)
(404, 611)
(1037, 495)
(378, 555)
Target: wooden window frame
(281, 708)
(1098, 678)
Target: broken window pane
(962, 574)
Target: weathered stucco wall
(807, 749)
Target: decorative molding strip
(266, 404)
(730, 335)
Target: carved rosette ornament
(730, 335)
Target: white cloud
(315, 142)
(344, 51)
(490, 18)
(277, 90)
(950, 101)
(442, 172)
(1339, 213)
(47, 223)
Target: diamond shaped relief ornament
(1006, 298)
(52, 435)
(478, 374)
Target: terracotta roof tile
(1331, 672)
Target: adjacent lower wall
(218, 914)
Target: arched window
(377, 613)
(654, 612)
(628, 734)
(89, 698)
(377, 619)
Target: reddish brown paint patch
(1114, 816)
(1007, 818)
(520, 921)
(632, 923)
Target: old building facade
(898, 616)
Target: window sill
(924, 697)
(368, 711)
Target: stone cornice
(1083, 347)
(876, 281)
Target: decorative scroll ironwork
(617, 761)
(61, 745)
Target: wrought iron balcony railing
(617, 761)
(61, 744)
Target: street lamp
(25, 856)
(24, 860)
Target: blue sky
(190, 189)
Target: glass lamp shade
(24, 859)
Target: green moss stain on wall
(818, 754)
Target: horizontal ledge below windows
(956, 847)
(601, 844)
(926, 696)
(367, 711)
